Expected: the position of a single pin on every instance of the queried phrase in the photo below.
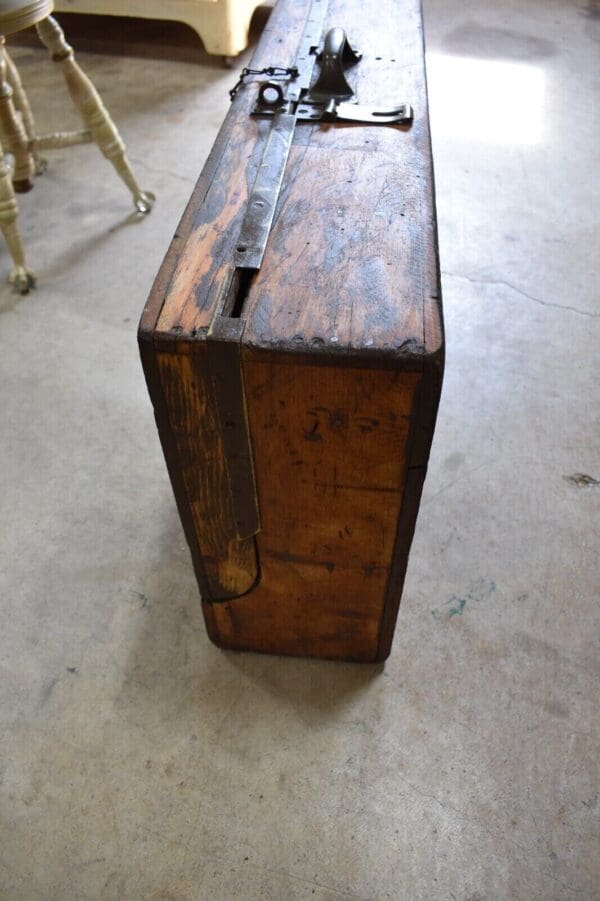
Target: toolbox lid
(351, 261)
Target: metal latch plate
(334, 111)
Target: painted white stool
(18, 132)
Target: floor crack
(464, 475)
(157, 171)
(532, 297)
(446, 805)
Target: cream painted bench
(221, 24)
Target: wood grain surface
(329, 449)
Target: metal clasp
(329, 98)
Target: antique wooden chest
(293, 340)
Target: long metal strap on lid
(258, 219)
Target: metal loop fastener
(266, 92)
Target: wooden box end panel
(332, 451)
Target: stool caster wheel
(22, 280)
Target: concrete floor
(137, 760)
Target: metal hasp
(279, 100)
(354, 112)
(329, 99)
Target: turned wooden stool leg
(92, 110)
(13, 131)
(21, 102)
(20, 277)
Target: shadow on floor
(173, 671)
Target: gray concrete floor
(137, 760)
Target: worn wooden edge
(406, 526)
(409, 351)
(434, 338)
(167, 440)
(246, 648)
(423, 425)
(149, 344)
(409, 356)
(158, 292)
(426, 404)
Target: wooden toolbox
(293, 340)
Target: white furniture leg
(21, 102)
(21, 278)
(92, 110)
(13, 132)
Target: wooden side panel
(229, 563)
(426, 402)
(330, 460)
